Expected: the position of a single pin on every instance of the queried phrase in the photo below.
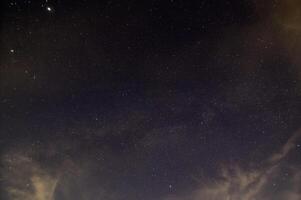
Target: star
(49, 9)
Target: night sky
(150, 100)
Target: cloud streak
(237, 184)
(26, 180)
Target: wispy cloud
(238, 184)
(25, 180)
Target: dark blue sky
(168, 100)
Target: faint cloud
(235, 183)
(25, 180)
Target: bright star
(48, 8)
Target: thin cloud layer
(236, 183)
(25, 180)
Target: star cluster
(167, 100)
